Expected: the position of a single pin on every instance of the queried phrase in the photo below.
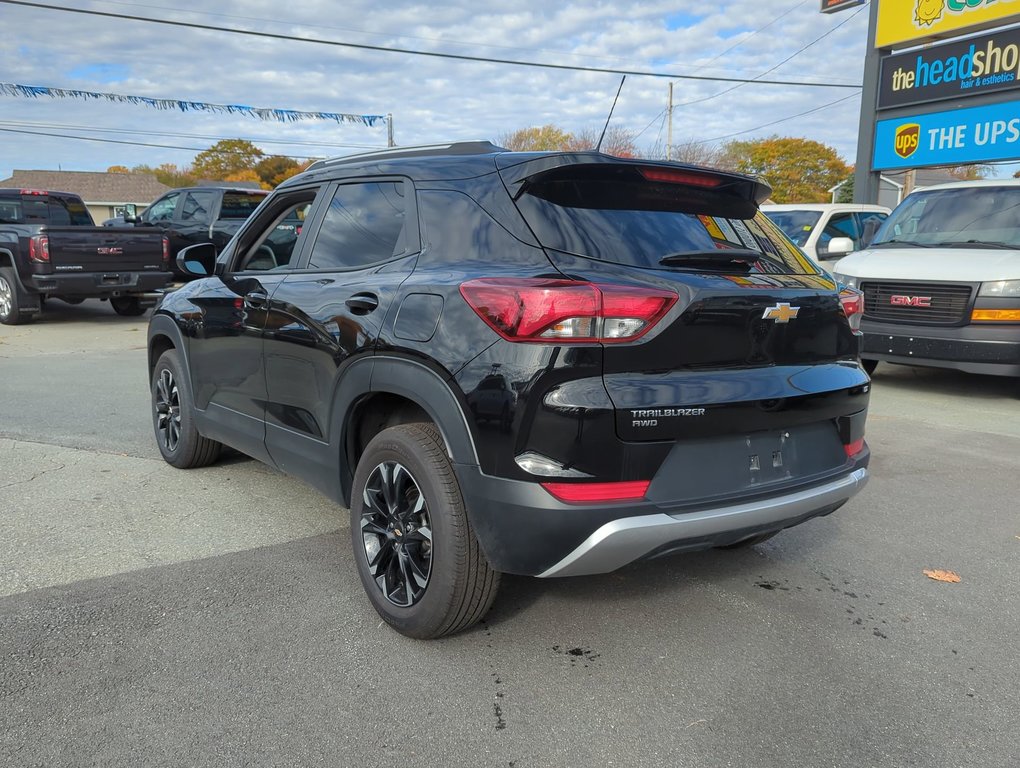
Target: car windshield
(981, 216)
(796, 225)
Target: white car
(941, 280)
(812, 226)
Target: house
(105, 194)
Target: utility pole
(669, 126)
(866, 183)
(389, 130)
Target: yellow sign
(907, 138)
(911, 21)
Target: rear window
(638, 223)
(44, 209)
(239, 205)
(796, 225)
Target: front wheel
(173, 417)
(416, 553)
(127, 306)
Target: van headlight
(847, 280)
(1004, 289)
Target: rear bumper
(102, 285)
(988, 349)
(524, 530)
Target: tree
(275, 169)
(692, 152)
(546, 138)
(168, 174)
(247, 176)
(968, 172)
(618, 141)
(845, 192)
(226, 157)
(799, 170)
(118, 169)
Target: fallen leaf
(939, 575)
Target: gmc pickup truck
(192, 215)
(50, 247)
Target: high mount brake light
(37, 192)
(549, 310)
(852, 302)
(680, 177)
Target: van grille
(920, 303)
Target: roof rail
(456, 148)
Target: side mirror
(839, 247)
(197, 260)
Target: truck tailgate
(104, 249)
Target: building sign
(955, 70)
(906, 21)
(831, 6)
(953, 137)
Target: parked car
(941, 280)
(190, 215)
(676, 375)
(51, 248)
(812, 226)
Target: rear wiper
(716, 256)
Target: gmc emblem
(910, 301)
(107, 251)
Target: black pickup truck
(50, 247)
(192, 215)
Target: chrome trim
(623, 541)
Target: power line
(743, 40)
(146, 144)
(433, 54)
(777, 122)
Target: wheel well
(376, 413)
(157, 347)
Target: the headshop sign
(955, 70)
(954, 137)
(903, 21)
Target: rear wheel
(869, 365)
(11, 312)
(173, 417)
(127, 306)
(416, 553)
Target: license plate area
(732, 465)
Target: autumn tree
(118, 169)
(799, 170)
(968, 172)
(225, 158)
(690, 151)
(275, 169)
(548, 137)
(617, 141)
(168, 174)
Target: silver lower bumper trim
(623, 541)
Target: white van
(812, 226)
(941, 280)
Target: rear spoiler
(518, 173)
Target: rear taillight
(852, 302)
(852, 449)
(595, 493)
(549, 310)
(39, 249)
(166, 251)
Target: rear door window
(240, 205)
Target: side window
(197, 205)
(840, 225)
(363, 225)
(273, 243)
(162, 209)
(869, 223)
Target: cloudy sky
(431, 99)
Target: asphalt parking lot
(152, 616)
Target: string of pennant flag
(259, 113)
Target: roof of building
(92, 187)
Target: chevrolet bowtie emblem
(781, 313)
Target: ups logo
(907, 138)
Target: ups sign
(907, 138)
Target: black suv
(550, 364)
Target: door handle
(256, 299)
(363, 303)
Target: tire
(751, 542)
(11, 312)
(173, 418)
(127, 306)
(869, 366)
(415, 551)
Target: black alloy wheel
(173, 419)
(397, 534)
(415, 550)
